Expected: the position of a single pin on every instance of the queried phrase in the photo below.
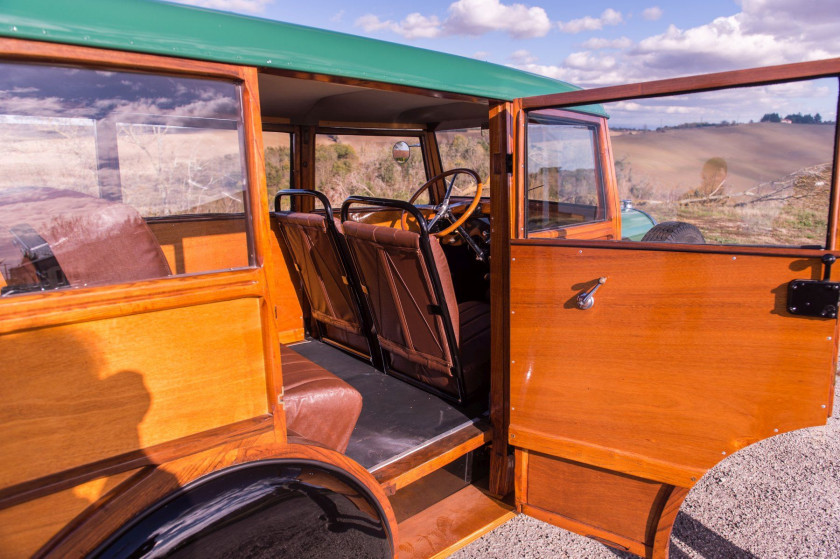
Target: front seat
(315, 252)
(426, 337)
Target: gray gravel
(779, 498)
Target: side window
(278, 162)
(355, 164)
(746, 166)
(466, 148)
(99, 167)
(564, 186)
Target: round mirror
(401, 152)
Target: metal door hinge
(817, 298)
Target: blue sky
(587, 43)
(605, 42)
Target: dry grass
(776, 190)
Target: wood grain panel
(451, 524)
(684, 358)
(398, 474)
(112, 386)
(193, 246)
(623, 505)
(287, 306)
(27, 527)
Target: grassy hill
(775, 191)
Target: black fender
(268, 508)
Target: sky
(589, 44)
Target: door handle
(586, 299)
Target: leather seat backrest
(94, 241)
(324, 278)
(407, 313)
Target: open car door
(637, 366)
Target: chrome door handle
(586, 299)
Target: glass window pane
(747, 166)
(278, 163)
(98, 166)
(349, 164)
(466, 148)
(564, 185)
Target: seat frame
(434, 276)
(339, 246)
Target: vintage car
(269, 290)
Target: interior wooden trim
(707, 82)
(390, 126)
(158, 454)
(396, 475)
(276, 120)
(94, 303)
(623, 462)
(501, 186)
(370, 84)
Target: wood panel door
(687, 354)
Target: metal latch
(819, 298)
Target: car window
(746, 166)
(564, 186)
(363, 165)
(466, 148)
(278, 162)
(98, 167)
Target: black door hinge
(817, 298)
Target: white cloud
(467, 17)
(765, 32)
(338, 16)
(596, 43)
(481, 55)
(522, 56)
(653, 13)
(413, 26)
(588, 23)
(246, 6)
(476, 17)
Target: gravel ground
(778, 499)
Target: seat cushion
(319, 406)
(94, 241)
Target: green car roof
(185, 31)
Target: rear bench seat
(319, 406)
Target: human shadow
(73, 431)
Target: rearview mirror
(401, 152)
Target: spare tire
(674, 232)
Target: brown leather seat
(319, 406)
(315, 248)
(51, 238)
(426, 337)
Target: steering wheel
(442, 209)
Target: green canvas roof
(177, 30)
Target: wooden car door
(686, 352)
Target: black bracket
(820, 299)
(38, 252)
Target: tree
(771, 117)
